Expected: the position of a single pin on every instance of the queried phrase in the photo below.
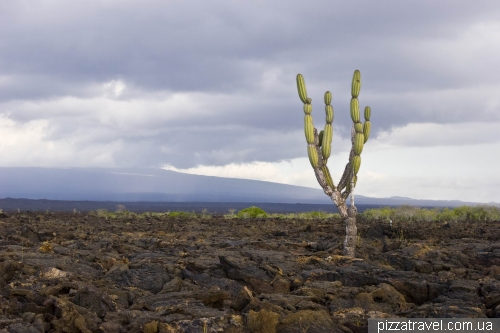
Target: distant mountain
(158, 185)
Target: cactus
(319, 149)
(309, 128)
(301, 85)
(327, 142)
(313, 155)
(359, 141)
(356, 84)
(366, 129)
(355, 110)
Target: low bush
(379, 214)
(251, 212)
(182, 215)
(315, 215)
(408, 213)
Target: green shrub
(416, 214)
(379, 214)
(492, 213)
(314, 215)
(478, 213)
(446, 215)
(317, 215)
(336, 216)
(102, 213)
(405, 213)
(426, 215)
(251, 212)
(306, 216)
(180, 215)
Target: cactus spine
(319, 150)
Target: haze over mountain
(152, 184)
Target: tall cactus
(319, 148)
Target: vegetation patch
(404, 213)
(252, 212)
(407, 213)
(182, 215)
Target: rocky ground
(65, 272)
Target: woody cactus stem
(319, 149)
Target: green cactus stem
(313, 155)
(356, 162)
(328, 177)
(301, 85)
(359, 141)
(327, 142)
(309, 128)
(329, 114)
(356, 84)
(368, 112)
(328, 98)
(366, 130)
(355, 110)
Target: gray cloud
(235, 63)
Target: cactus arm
(318, 171)
(301, 86)
(328, 131)
(326, 139)
(310, 132)
(318, 150)
(328, 177)
(346, 193)
(344, 180)
(356, 84)
(321, 180)
(367, 124)
(357, 135)
(314, 151)
(353, 166)
(320, 177)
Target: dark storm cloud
(217, 45)
(421, 61)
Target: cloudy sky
(208, 87)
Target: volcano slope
(66, 272)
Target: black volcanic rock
(66, 272)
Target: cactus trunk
(351, 235)
(319, 149)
